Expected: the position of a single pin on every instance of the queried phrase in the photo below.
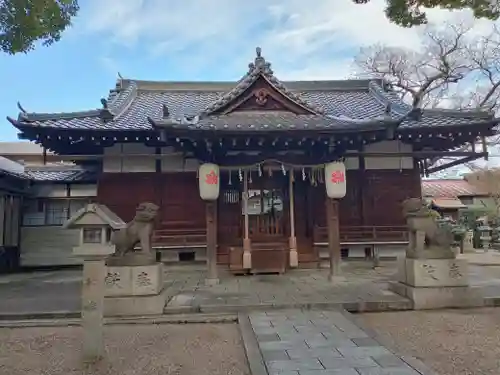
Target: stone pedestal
(435, 283)
(134, 290)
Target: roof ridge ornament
(260, 65)
(20, 107)
(105, 113)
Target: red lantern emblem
(211, 178)
(338, 177)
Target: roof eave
(357, 127)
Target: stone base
(437, 297)
(433, 272)
(133, 280)
(135, 305)
(435, 283)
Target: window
(40, 212)
(33, 212)
(92, 235)
(467, 200)
(56, 212)
(262, 202)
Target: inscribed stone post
(94, 271)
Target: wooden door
(267, 214)
(269, 219)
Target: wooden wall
(176, 194)
(49, 246)
(373, 198)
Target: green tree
(408, 13)
(23, 23)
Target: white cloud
(302, 41)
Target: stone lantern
(469, 241)
(95, 222)
(485, 236)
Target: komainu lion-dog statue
(427, 239)
(138, 232)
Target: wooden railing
(364, 234)
(180, 237)
(194, 237)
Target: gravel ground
(452, 342)
(194, 349)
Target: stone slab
(132, 259)
(433, 272)
(134, 280)
(438, 297)
(138, 305)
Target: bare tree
(453, 68)
(484, 55)
(422, 77)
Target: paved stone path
(296, 342)
(359, 283)
(57, 291)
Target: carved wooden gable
(263, 96)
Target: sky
(193, 40)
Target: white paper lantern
(335, 180)
(209, 180)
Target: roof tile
(449, 188)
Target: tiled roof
(137, 105)
(60, 174)
(54, 173)
(448, 203)
(449, 188)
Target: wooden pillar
(211, 215)
(332, 221)
(247, 247)
(294, 258)
(485, 147)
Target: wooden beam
(485, 147)
(415, 154)
(327, 156)
(453, 163)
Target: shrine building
(262, 174)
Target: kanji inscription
(338, 177)
(143, 279)
(430, 270)
(112, 279)
(454, 271)
(212, 178)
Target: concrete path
(297, 342)
(482, 258)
